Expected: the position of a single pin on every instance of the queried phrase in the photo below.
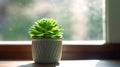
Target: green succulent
(46, 28)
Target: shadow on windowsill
(39, 65)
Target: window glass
(80, 19)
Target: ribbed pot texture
(46, 50)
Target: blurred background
(81, 20)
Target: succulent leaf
(46, 28)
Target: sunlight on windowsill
(83, 63)
(94, 42)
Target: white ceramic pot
(46, 50)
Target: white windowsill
(94, 42)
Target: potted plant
(46, 37)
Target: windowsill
(63, 63)
(94, 42)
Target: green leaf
(46, 28)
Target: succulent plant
(46, 28)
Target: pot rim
(47, 39)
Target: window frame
(70, 52)
(109, 50)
